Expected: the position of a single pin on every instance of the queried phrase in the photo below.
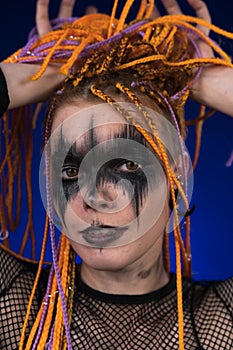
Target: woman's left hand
(214, 88)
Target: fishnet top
(104, 321)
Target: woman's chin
(103, 258)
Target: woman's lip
(102, 235)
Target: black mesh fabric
(104, 321)
(16, 282)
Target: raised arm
(214, 88)
(21, 89)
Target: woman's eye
(70, 173)
(128, 166)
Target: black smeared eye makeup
(68, 178)
(71, 171)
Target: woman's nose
(99, 199)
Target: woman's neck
(138, 278)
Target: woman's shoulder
(211, 304)
(17, 278)
(215, 291)
(13, 268)
(224, 291)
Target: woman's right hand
(21, 89)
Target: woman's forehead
(87, 124)
(111, 137)
(91, 124)
(82, 115)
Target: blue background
(212, 221)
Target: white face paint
(108, 186)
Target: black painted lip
(102, 235)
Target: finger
(202, 12)
(155, 13)
(66, 8)
(42, 17)
(172, 7)
(90, 10)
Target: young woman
(117, 176)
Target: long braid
(35, 283)
(123, 16)
(178, 240)
(70, 288)
(111, 20)
(158, 149)
(61, 314)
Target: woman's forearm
(215, 89)
(22, 90)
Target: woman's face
(109, 188)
